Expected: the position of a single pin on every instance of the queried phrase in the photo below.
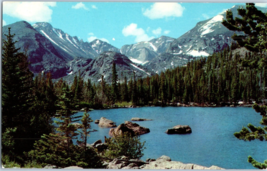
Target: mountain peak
(22, 24)
(42, 24)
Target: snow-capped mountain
(206, 37)
(72, 45)
(145, 51)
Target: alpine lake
(212, 141)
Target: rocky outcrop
(130, 128)
(125, 163)
(73, 167)
(97, 121)
(77, 125)
(104, 122)
(179, 129)
(140, 119)
(163, 162)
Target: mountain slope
(102, 65)
(206, 37)
(144, 52)
(71, 45)
(42, 54)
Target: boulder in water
(179, 129)
(104, 122)
(130, 128)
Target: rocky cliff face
(72, 46)
(102, 65)
(144, 52)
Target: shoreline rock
(163, 162)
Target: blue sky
(118, 23)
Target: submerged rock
(140, 119)
(130, 128)
(104, 122)
(179, 129)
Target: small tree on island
(253, 23)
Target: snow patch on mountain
(140, 69)
(49, 38)
(67, 36)
(207, 28)
(153, 46)
(198, 53)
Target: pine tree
(253, 24)
(114, 90)
(85, 126)
(65, 117)
(17, 100)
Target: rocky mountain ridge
(52, 50)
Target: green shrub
(51, 150)
(123, 104)
(7, 163)
(125, 145)
(33, 164)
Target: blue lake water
(211, 142)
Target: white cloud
(157, 31)
(93, 6)
(205, 16)
(139, 33)
(261, 4)
(164, 9)
(80, 5)
(113, 39)
(166, 31)
(4, 22)
(29, 11)
(92, 38)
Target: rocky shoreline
(163, 162)
(177, 105)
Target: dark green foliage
(85, 126)
(114, 88)
(65, 117)
(52, 149)
(126, 145)
(19, 116)
(253, 24)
